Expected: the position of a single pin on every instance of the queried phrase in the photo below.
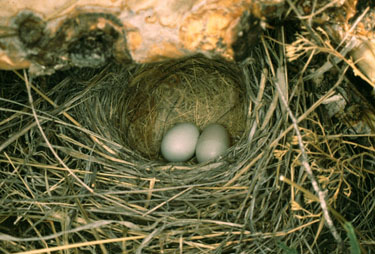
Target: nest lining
(193, 89)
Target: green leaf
(286, 249)
(354, 245)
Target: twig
(306, 166)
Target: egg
(212, 143)
(179, 142)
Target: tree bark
(49, 35)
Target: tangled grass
(70, 183)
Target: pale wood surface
(146, 30)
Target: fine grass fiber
(194, 89)
(80, 172)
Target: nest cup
(194, 89)
(129, 108)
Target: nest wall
(75, 177)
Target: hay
(74, 182)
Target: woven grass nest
(81, 172)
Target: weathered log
(46, 35)
(50, 35)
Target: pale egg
(212, 143)
(179, 142)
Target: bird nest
(81, 171)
